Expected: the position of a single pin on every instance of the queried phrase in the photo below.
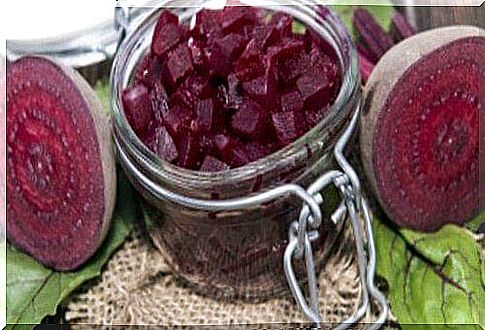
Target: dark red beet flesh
(424, 154)
(60, 169)
(230, 91)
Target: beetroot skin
(419, 133)
(230, 91)
(61, 169)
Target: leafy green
(432, 278)
(103, 91)
(475, 223)
(34, 291)
(382, 12)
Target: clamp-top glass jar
(234, 252)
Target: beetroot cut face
(61, 170)
(420, 141)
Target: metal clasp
(304, 231)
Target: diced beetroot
(286, 48)
(234, 91)
(165, 38)
(199, 57)
(230, 150)
(239, 157)
(178, 120)
(209, 116)
(315, 91)
(162, 144)
(159, 100)
(250, 121)
(166, 17)
(313, 117)
(211, 164)
(234, 18)
(323, 64)
(191, 91)
(189, 153)
(250, 65)
(313, 40)
(283, 23)
(207, 24)
(178, 65)
(291, 102)
(266, 35)
(232, 45)
(264, 91)
(288, 126)
(137, 108)
(255, 150)
(222, 52)
(293, 67)
(143, 71)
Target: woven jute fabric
(137, 287)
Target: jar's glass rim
(304, 13)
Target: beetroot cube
(293, 67)
(224, 144)
(211, 164)
(199, 57)
(250, 65)
(313, 117)
(143, 72)
(264, 90)
(166, 17)
(320, 62)
(234, 91)
(137, 107)
(234, 18)
(209, 116)
(232, 45)
(266, 35)
(250, 121)
(161, 143)
(177, 120)
(315, 91)
(191, 91)
(283, 23)
(159, 100)
(165, 38)
(286, 48)
(207, 24)
(291, 102)
(256, 150)
(188, 149)
(288, 126)
(178, 65)
(239, 157)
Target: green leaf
(382, 12)
(34, 291)
(432, 278)
(475, 223)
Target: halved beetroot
(419, 133)
(60, 166)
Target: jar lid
(77, 35)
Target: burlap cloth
(137, 287)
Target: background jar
(234, 253)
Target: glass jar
(237, 253)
